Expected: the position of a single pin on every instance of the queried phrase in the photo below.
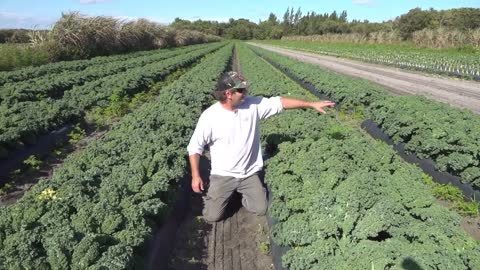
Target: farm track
(233, 243)
(457, 93)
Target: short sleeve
(201, 136)
(269, 106)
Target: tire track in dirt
(457, 93)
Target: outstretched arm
(291, 103)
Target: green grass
(15, 56)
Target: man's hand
(319, 105)
(197, 184)
(292, 103)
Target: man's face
(238, 96)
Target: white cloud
(92, 1)
(363, 2)
(16, 20)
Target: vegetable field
(343, 200)
(340, 199)
(427, 128)
(37, 105)
(99, 208)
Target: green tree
(286, 24)
(461, 18)
(19, 36)
(269, 29)
(343, 16)
(207, 27)
(333, 16)
(240, 29)
(416, 19)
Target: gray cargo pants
(254, 196)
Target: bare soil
(188, 242)
(471, 224)
(456, 92)
(238, 242)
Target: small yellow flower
(48, 194)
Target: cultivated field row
(429, 129)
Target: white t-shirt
(233, 136)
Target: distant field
(13, 56)
(462, 63)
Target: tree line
(295, 22)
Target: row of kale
(430, 129)
(23, 122)
(76, 65)
(99, 208)
(345, 201)
(53, 85)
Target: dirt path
(458, 93)
(238, 242)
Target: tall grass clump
(144, 35)
(380, 37)
(75, 36)
(445, 38)
(440, 38)
(185, 37)
(384, 37)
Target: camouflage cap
(230, 80)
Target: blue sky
(43, 13)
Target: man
(230, 128)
